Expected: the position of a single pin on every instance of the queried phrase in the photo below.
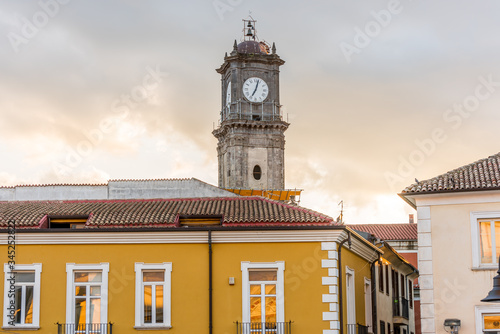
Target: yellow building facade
(278, 277)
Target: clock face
(228, 95)
(255, 89)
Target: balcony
(400, 311)
(103, 328)
(264, 327)
(240, 110)
(405, 308)
(357, 329)
(396, 311)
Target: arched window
(257, 172)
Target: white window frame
(368, 304)
(280, 287)
(475, 216)
(350, 296)
(482, 310)
(37, 268)
(139, 295)
(70, 289)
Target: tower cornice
(250, 57)
(223, 129)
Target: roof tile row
(161, 212)
(483, 174)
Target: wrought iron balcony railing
(264, 327)
(99, 328)
(396, 310)
(357, 329)
(406, 310)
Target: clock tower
(251, 139)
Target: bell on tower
(249, 25)
(251, 131)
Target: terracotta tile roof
(388, 231)
(483, 174)
(236, 211)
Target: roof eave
(409, 200)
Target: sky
(377, 93)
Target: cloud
(350, 123)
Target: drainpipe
(413, 297)
(341, 308)
(374, 294)
(210, 310)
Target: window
(368, 304)
(263, 292)
(87, 294)
(387, 279)
(410, 292)
(395, 284)
(485, 232)
(389, 328)
(257, 172)
(22, 296)
(152, 295)
(351, 300)
(403, 290)
(489, 239)
(382, 327)
(68, 222)
(487, 319)
(381, 278)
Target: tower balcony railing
(243, 110)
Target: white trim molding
(71, 268)
(140, 267)
(174, 237)
(482, 310)
(425, 266)
(280, 289)
(466, 197)
(331, 281)
(8, 283)
(475, 236)
(368, 304)
(350, 294)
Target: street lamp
(452, 325)
(494, 295)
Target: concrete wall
(139, 189)
(450, 286)
(457, 288)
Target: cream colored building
(395, 296)
(458, 217)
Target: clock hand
(257, 85)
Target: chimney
(412, 221)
